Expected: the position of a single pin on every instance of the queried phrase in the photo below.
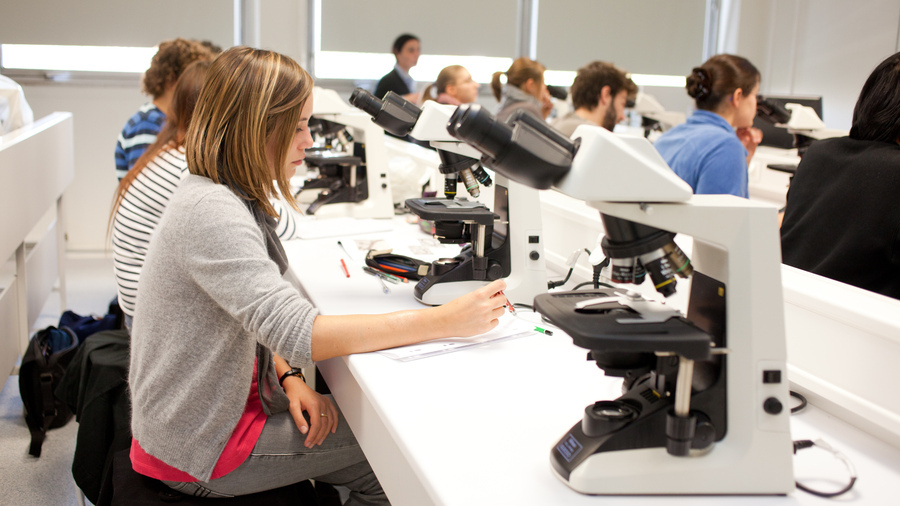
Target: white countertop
(476, 426)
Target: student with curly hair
(159, 81)
(599, 94)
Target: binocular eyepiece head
(393, 113)
(524, 148)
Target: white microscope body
(805, 121)
(328, 105)
(705, 408)
(520, 214)
(736, 242)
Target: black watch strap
(292, 372)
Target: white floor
(25, 480)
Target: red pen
(509, 305)
(344, 266)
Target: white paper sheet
(510, 327)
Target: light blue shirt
(410, 82)
(707, 154)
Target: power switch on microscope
(534, 239)
(771, 376)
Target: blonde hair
(448, 76)
(521, 70)
(251, 97)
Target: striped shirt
(137, 135)
(139, 214)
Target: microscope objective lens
(470, 182)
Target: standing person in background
(842, 220)
(599, 94)
(454, 86)
(406, 50)
(712, 150)
(159, 81)
(524, 89)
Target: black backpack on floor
(49, 352)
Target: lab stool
(134, 489)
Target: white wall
(101, 110)
(822, 47)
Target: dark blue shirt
(707, 154)
(137, 135)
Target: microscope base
(652, 471)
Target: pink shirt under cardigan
(236, 451)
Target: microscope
(349, 161)
(705, 408)
(654, 117)
(505, 242)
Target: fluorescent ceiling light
(77, 58)
(565, 78)
(372, 66)
(559, 77)
(658, 80)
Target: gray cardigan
(209, 292)
(513, 98)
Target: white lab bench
(36, 167)
(476, 426)
(766, 184)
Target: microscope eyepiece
(481, 130)
(771, 111)
(369, 103)
(394, 113)
(524, 149)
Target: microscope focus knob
(534, 255)
(772, 406)
(495, 271)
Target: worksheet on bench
(510, 327)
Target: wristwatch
(292, 372)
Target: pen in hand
(509, 305)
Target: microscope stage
(613, 326)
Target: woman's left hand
(546, 103)
(323, 416)
(750, 137)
